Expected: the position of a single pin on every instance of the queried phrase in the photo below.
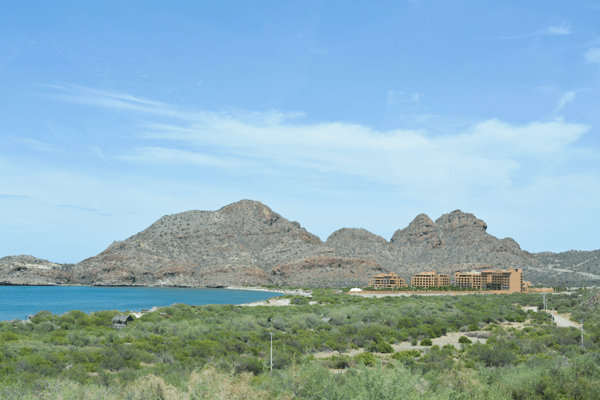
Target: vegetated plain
(223, 351)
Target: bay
(21, 301)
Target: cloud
(34, 144)
(565, 99)
(487, 154)
(108, 99)
(559, 30)
(13, 197)
(79, 208)
(173, 157)
(401, 97)
(552, 30)
(98, 152)
(593, 55)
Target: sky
(334, 114)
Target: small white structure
(355, 289)
(530, 308)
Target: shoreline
(139, 313)
(299, 292)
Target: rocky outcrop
(29, 270)
(422, 230)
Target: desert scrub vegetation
(165, 354)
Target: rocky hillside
(455, 241)
(248, 243)
(29, 270)
(239, 243)
(570, 268)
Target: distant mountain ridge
(248, 243)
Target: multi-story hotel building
(390, 280)
(468, 279)
(510, 280)
(429, 279)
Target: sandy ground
(298, 292)
(274, 302)
(563, 322)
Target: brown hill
(239, 244)
(29, 270)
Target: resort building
(390, 280)
(510, 280)
(430, 279)
(468, 280)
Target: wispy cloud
(565, 99)
(593, 55)
(79, 208)
(13, 197)
(108, 99)
(167, 156)
(96, 150)
(559, 30)
(395, 97)
(34, 144)
(488, 153)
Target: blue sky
(334, 114)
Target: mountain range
(247, 243)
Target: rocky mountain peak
(354, 235)
(421, 230)
(251, 208)
(458, 220)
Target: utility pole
(581, 333)
(271, 333)
(544, 305)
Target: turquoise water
(21, 301)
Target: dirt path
(564, 322)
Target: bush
(385, 348)
(406, 354)
(426, 342)
(249, 363)
(365, 358)
(464, 340)
(7, 336)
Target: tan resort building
(430, 279)
(390, 280)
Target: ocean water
(21, 301)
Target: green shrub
(426, 342)
(406, 354)
(252, 364)
(464, 340)
(384, 347)
(365, 358)
(7, 336)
